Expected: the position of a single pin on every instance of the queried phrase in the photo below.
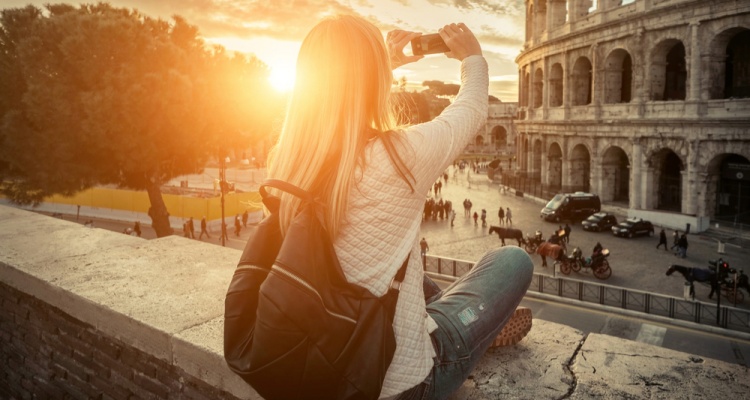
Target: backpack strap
(284, 187)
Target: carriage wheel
(530, 248)
(564, 267)
(576, 266)
(604, 271)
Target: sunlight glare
(282, 78)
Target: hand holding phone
(429, 44)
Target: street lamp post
(222, 187)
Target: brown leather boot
(516, 329)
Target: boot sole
(516, 329)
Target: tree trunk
(158, 211)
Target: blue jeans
(470, 313)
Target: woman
(341, 142)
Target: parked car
(599, 222)
(633, 227)
(571, 206)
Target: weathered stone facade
(646, 103)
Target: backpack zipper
(278, 269)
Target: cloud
(489, 35)
(511, 7)
(286, 20)
(505, 90)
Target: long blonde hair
(340, 101)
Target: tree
(439, 88)
(104, 95)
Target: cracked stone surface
(536, 367)
(612, 368)
(558, 362)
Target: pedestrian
(501, 215)
(675, 240)
(508, 216)
(185, 230)
(662, 240)
(682, 246)
(476, 216)
(383, 176)
(567, 230)
(237, 225)
(204, 229)
(244, 219)
(423, 248)
(137, 228)
(191, 228)
(484, 217)
(224, 235)
(453, 216)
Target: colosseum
(645, 102)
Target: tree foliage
(102, 95)
(439, 88)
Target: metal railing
(527, 186)
(730, 318)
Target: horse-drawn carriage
(729, 285)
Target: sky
(272, 30)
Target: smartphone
(428, 44)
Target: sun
(282, 78)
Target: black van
(571, 206)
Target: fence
(529, 186)
(177, 205)
(633, 300)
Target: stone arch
(479, 140)
(525, 89)
(580, 168)
(529, 21)
(556, 85)
(536, 163)
(581, 90)
(728, 183)
(499, 136)
(558, 10)
(667, 170)
(668, 71)
(554, 166)
(538, 88)
(618, 77)
(615, 175)
(729, 64)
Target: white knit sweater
(384, 217)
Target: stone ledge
(165, 297)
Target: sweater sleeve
(438, 142)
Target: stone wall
(46, 353)
(89, 313)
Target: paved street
(636, 263)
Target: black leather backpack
(294, 328)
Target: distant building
(645, 102)
(498, 137)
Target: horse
(696, 275)
(507, 233)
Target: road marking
(651, 334)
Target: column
(566, 86)
(694, 63)
(690, 188)
(635, 170)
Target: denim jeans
(470, 313)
